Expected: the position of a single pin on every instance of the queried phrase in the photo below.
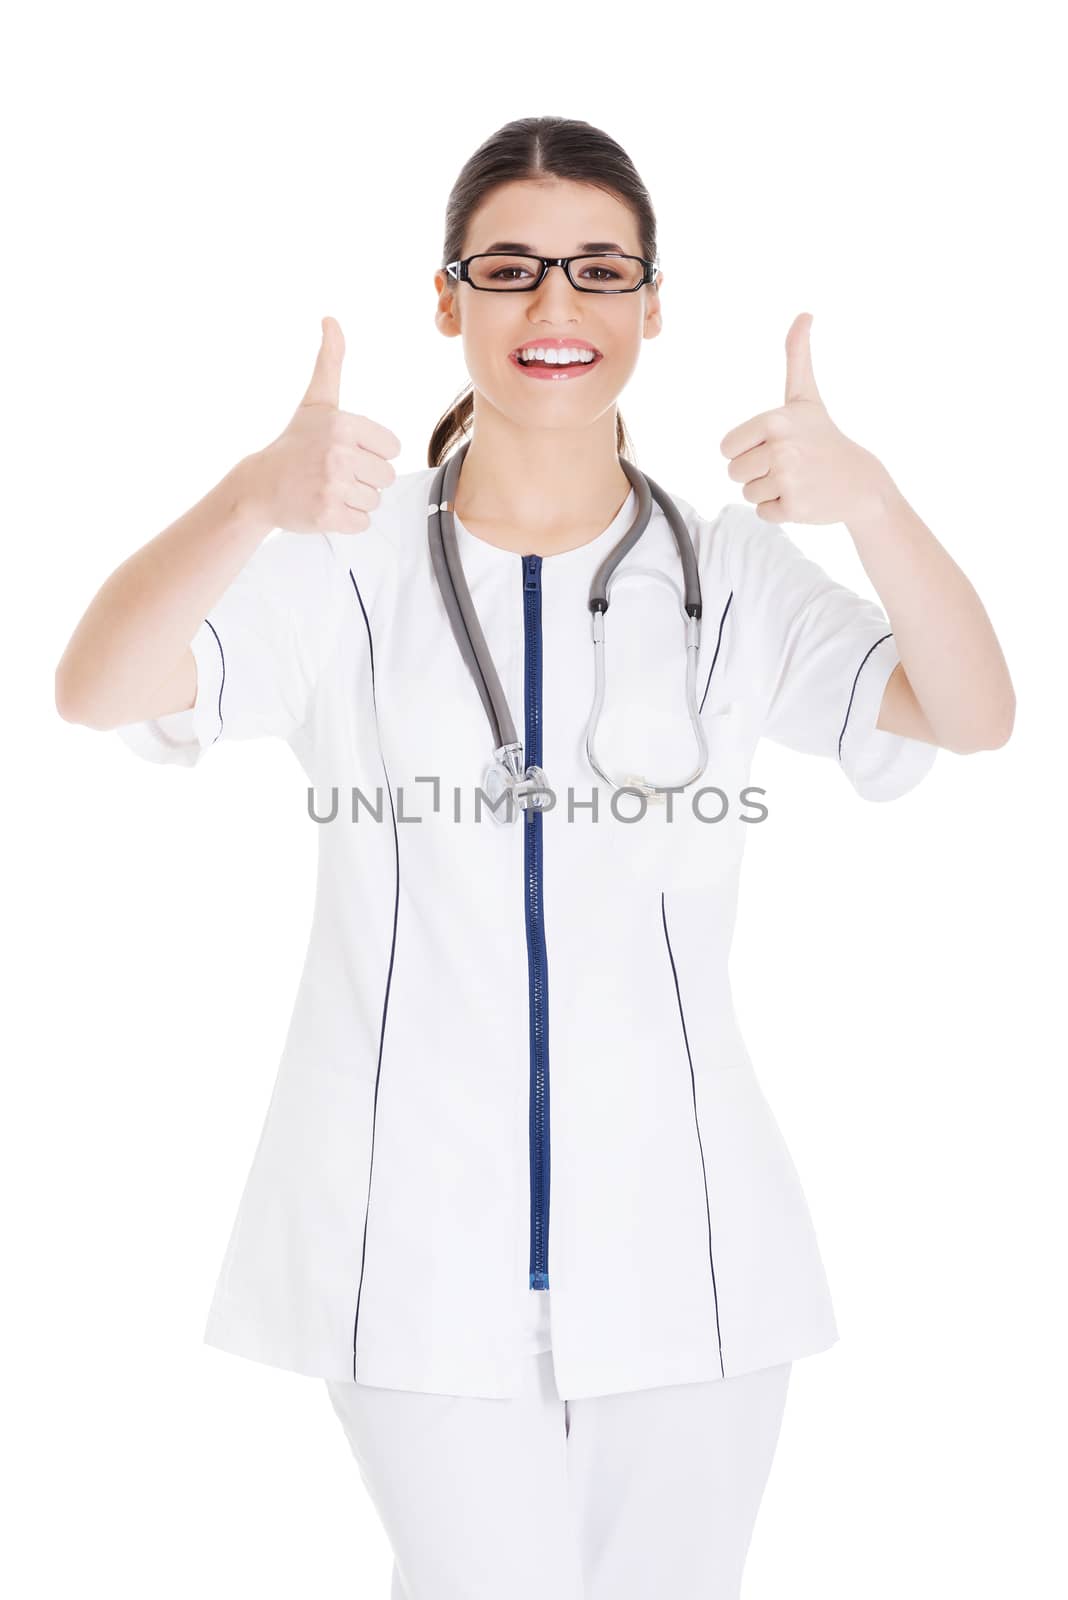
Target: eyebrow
(589, 245)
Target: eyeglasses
(604, 274)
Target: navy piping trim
(222, 657)
(715, 658)
(853, 691)
(389, 978)
(697, 1124)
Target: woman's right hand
(324, 471)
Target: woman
(513, 1070)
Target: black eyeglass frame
(460, 270)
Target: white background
(191, 190)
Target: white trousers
(620, 1497)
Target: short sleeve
(258, 654)
(822, 658)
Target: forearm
(136, 628)
(945, 639)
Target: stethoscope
(506, 773)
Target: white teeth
(559, 358)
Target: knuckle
(372, 470)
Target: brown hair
(537, 147)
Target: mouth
(555, 359)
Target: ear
(445, 318)
(653, 321)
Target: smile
(555, 364)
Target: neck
(540, 490)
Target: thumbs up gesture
(324, 471)
(793, 463)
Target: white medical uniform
(513, 1061)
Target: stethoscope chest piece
(507, 785)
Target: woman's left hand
(793, 463)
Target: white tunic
(513, 1062)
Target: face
(553, 217)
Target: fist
(793, 463)
(324, 472)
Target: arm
(134, 655)
(129, 658)
(952, 686)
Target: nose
(555, 288)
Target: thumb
(800, 379)
(325, 386)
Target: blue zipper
(536, 958)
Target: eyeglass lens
(599, 273)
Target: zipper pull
(532, 566)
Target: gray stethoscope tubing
(529, 785)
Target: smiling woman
(550, 246)
(513, 1069)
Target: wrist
(881, 497)
(249, 488)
